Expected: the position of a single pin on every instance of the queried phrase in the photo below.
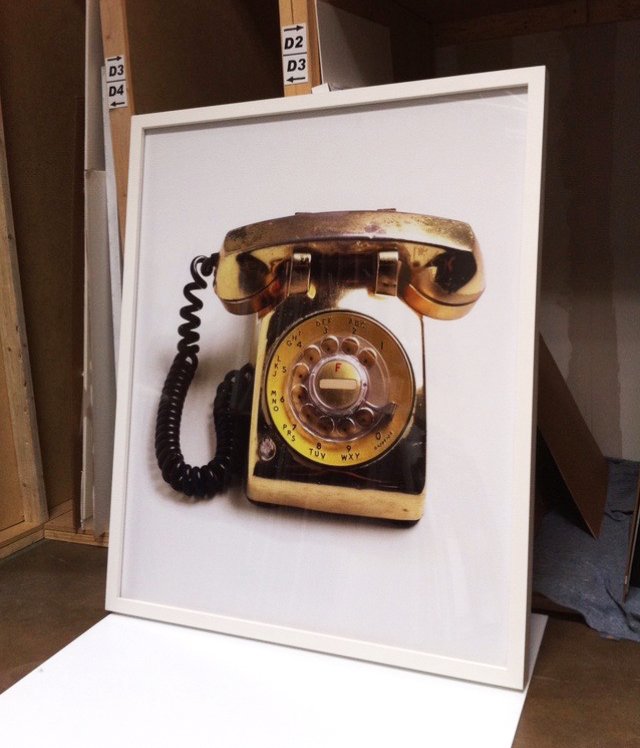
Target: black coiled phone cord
(230, 408)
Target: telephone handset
(337, 421)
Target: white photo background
(441, 587)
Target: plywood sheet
(21, 485)
(574, 450)
(41, 80)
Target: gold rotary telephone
(337, 417)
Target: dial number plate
(339, 388)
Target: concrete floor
(585, 690)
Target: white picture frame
(451, 595)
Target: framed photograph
(378, 269)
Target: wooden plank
(82, 537)
(11, 505)
(61, 516)
(62, 526)
(303, 11)
(575, 452)
(13, 539)
(25, 450)
(115, 42)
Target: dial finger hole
(299, 394)
(309, 413)
(300, 372)
(350, 346)
(364, 417)
(367, 357)
(347, 426)
(312, 354)
(329, 344)
(325, 425)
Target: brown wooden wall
(41, 84)
(189, 53)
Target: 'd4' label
(115, 82)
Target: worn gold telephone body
(338, 420)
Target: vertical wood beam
(115, 41)
(303, 11)
(15, 360)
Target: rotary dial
(339, 388)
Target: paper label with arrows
(295, 63)
(116, 82)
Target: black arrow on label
(291, 79)
(112, 59)
(117, 103)
(294, 28)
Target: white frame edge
(512, 675)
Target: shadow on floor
(50, 593)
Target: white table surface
(132, 682)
